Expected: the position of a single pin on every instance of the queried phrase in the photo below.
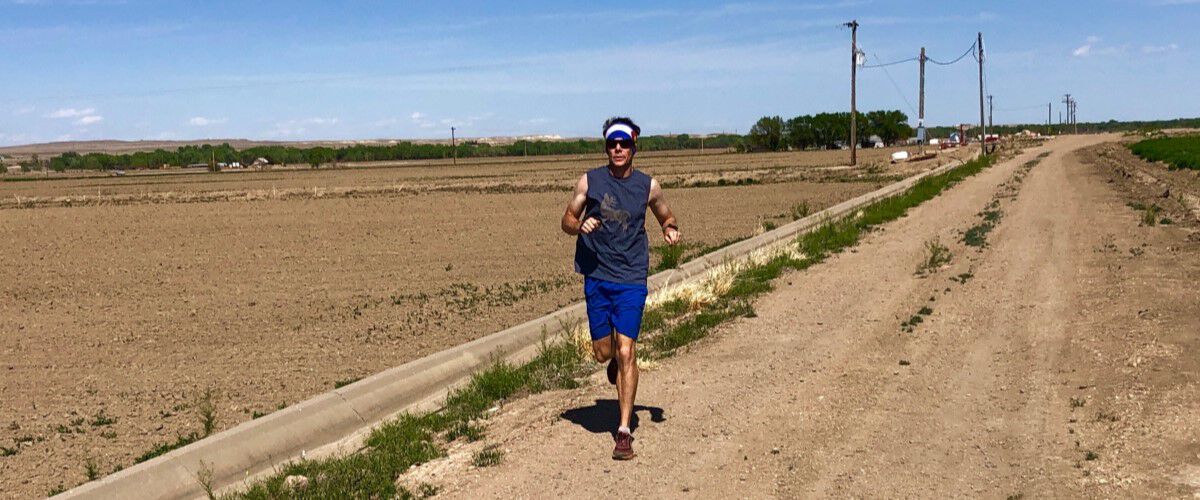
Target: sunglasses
(613, 143)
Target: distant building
(14, 169)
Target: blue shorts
(614, 307)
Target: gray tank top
(618, 250)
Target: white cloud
(71, 113)
(90, 119)
(1086, 49)
(421, 119)
(299, 127)
(24, 110)
(201, 121)
(1154, 49)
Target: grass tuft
(800, 210)
(102, 419)
(670, 256)
(466, 430)
(489, 456)
(936, 255)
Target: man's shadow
(604, 415)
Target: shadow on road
(605, 414)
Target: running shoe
(624, 448)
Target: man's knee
(626, 354)
(602, 349)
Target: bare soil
(118, 317)
(405, 178)
(1060, 359)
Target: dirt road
(1058, 359)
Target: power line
(893, 63)
(1022, 108)
(894, 85)
(969, 52)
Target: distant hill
(124, 147)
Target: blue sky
(73, 70)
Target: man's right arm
(570, 219)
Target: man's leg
(604, 348)
(627, 376)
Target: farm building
(14, 169)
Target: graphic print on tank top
(610, 212)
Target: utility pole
(1049, 116)
(853, 25)
(990, 125)
(454, 145)
(921, 139)
(1070, 110)
(982, 125)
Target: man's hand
(671, 235)
(589, 225)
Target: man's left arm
(666, 219)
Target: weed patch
(936, 256)
(1150, 215)
(102, 419)
(164, 448)
(800, 210)
(488, 457)
(469, 431)
(669, 257)
(90, 469)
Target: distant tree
(318, 156)
(890, 126)
(767, 134)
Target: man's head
(620, 140)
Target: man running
(608, 213)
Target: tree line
(826, 130)
(316, 156)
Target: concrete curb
(257, 446)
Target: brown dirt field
(537, 174)
(133, 311)
(1174, 193)
(1065, 365)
